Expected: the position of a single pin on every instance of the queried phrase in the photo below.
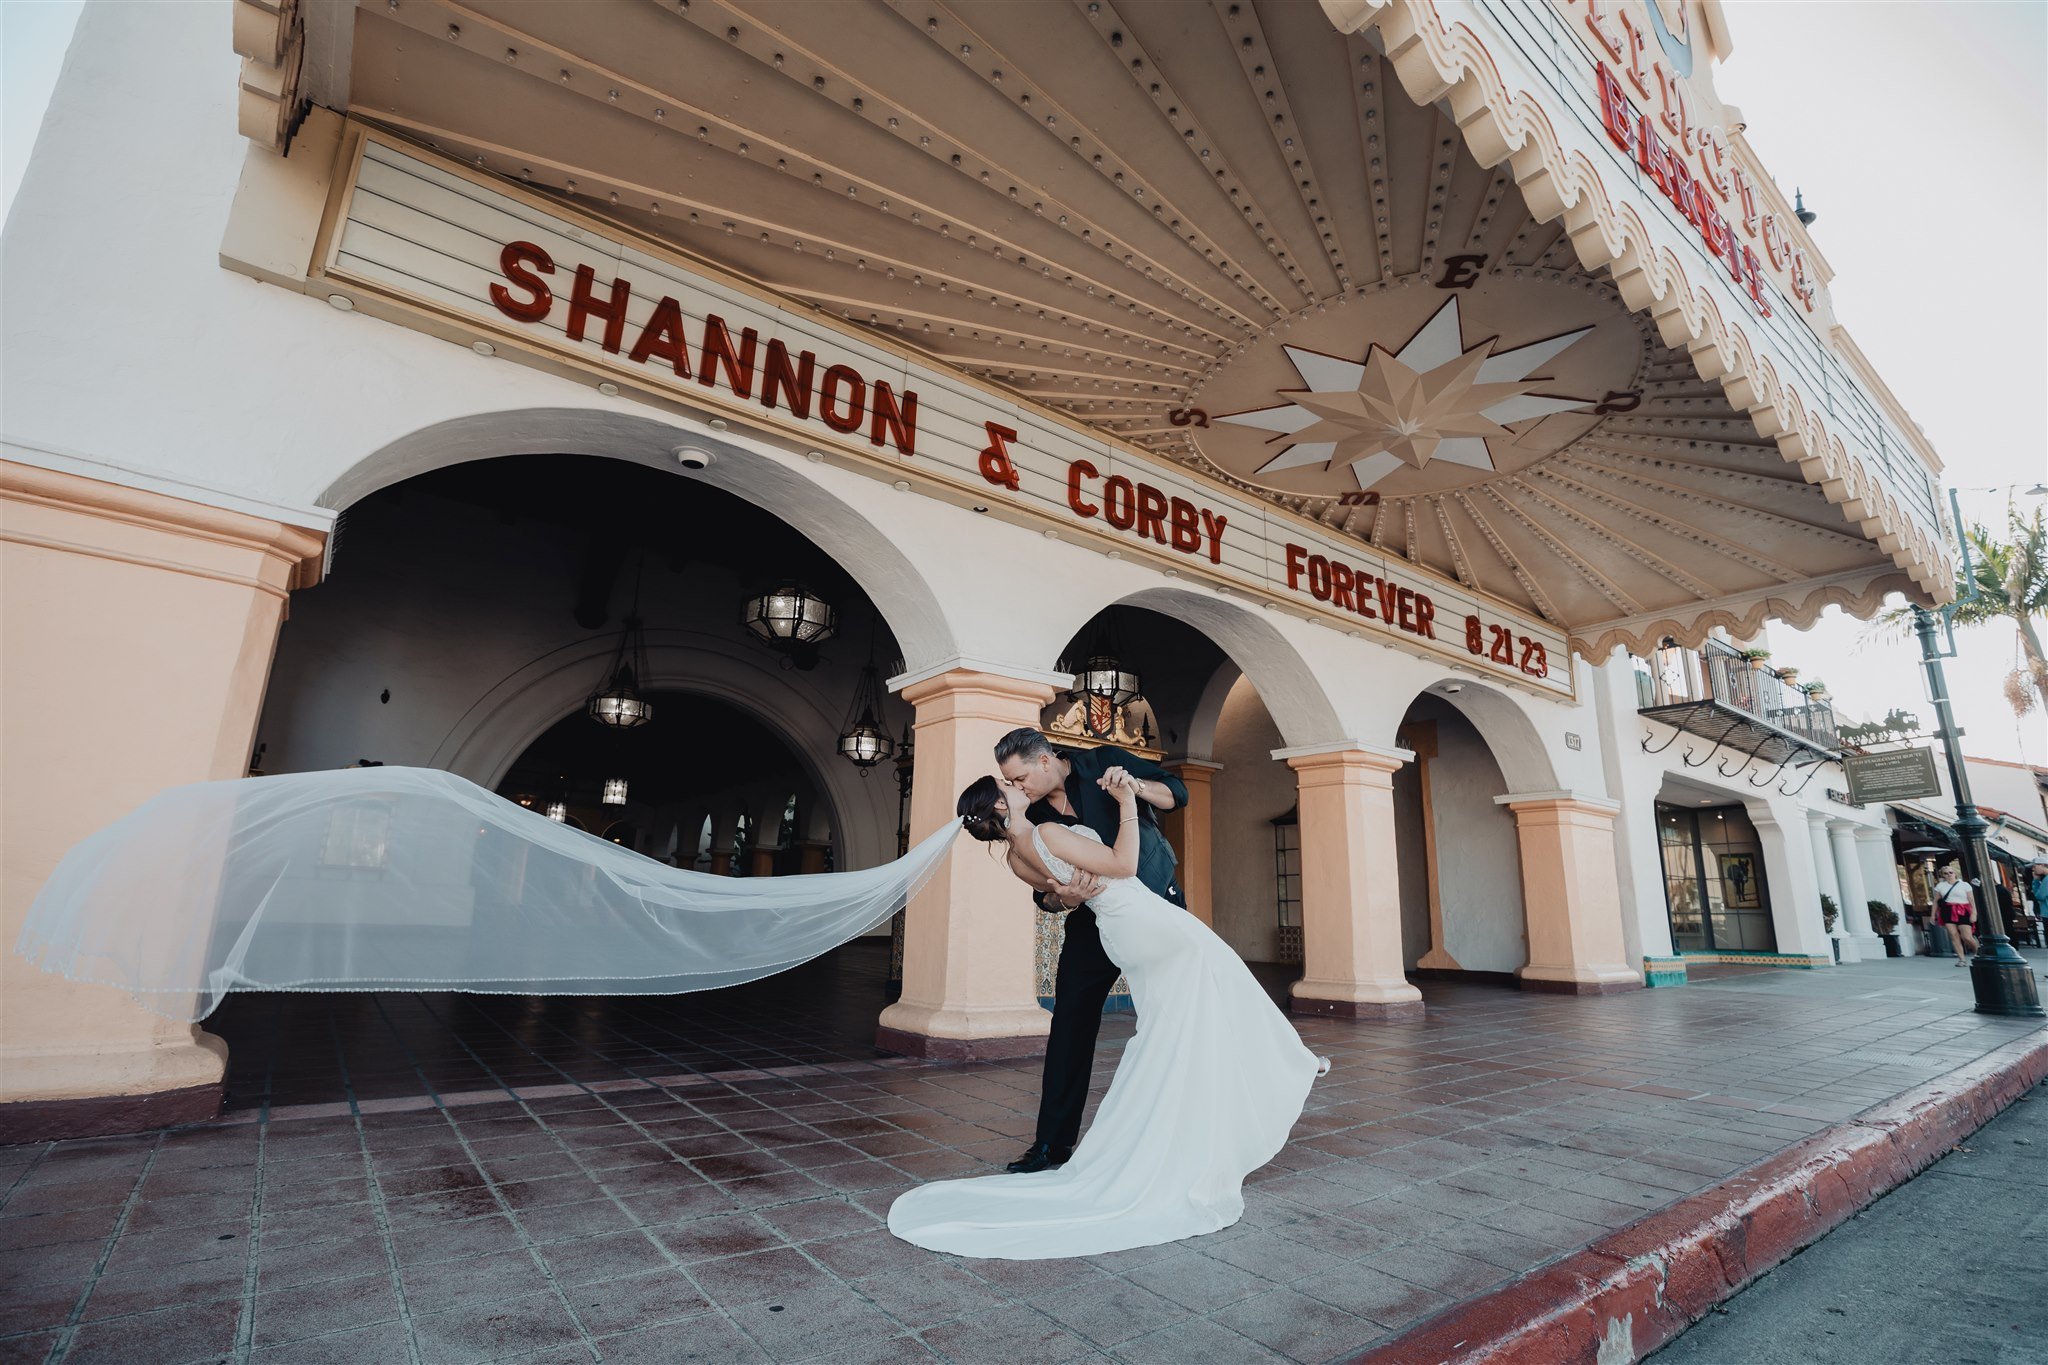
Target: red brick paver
(447, 1178)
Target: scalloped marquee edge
(1794, 607)
(1440, 61)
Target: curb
(1633, 1290)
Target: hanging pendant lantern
(558, 812)
(615, 791)
(1105, 677)
(793, 621)
(1101, 673)
(863, 741)
(618, 703)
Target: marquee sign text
(432, 243)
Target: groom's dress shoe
(1043, 1156)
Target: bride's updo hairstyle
(980, 809)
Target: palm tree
(2007, 580)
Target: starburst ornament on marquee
(1434, 399)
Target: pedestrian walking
(1955, 905)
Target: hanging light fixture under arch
(618, 702)
(1100, 671)
(792, 620)
(862, 740)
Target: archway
(1223, 690)
(473, 608)
(1461, 900)
(895, 585)
(708, 759)
(1512, 878)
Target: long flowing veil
(414, 879)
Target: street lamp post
(2003, 982)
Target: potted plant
(1815, 690)
(1829, 913)
(1885, 920)
(1789, 676)
(1755, 658)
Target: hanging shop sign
(1897, 775)
(428, 243)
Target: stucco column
(969, 936)
(1792, 880)
(1824, 873)
(137, 632)
(1350, 884)
(1855, 900)
(1195, 826)
(1881, 877)
(1571, 893)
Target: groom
(1066, 787)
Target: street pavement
(1948, 1269)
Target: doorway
(1714, 887)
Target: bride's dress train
(1205, 1094)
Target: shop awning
(1384, 266)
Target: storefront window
(1714, 880)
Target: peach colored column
(1350, 884)
(136, 634)
(970, 935)
(1571, 893)
(1196, 844)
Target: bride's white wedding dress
(1206, 1093)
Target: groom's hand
(1085, 887)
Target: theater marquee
(425, 242)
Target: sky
(1936, 226)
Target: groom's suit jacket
(1098, 810)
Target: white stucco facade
(133, 359)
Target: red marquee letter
(512, 263)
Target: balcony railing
(1677, 685)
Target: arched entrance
(709, 761)
(469, 613)
(895, 585)
(1513, 877)
(1462, 910)
(1284, 809)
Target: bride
(1205, 1094)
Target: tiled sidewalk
(733, 1211)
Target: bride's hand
(1123, 787)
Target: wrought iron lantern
(618, 702)
(615, 791)
(863, 742)
(1101, 672)
(793, 621)
(558, 812)
(1103, 675)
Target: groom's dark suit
(1085, 971)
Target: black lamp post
(2002, 980)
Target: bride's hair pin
(980, 811)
